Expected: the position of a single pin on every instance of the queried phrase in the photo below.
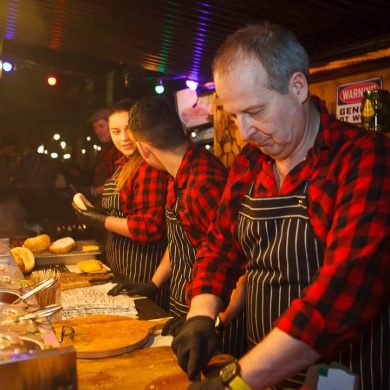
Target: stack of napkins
(95, 301)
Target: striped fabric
(127, 258)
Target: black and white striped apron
(127, 258)
(283, 255)
(182, 257)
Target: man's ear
(299, 86)
(143, 149)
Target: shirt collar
(322, 140)
(120, 161)
(184, 168)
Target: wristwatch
(218, 325)
(230, 377)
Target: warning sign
(349, 99)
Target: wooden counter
(150, 368)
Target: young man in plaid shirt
(197, 180)
(306, 213)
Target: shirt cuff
(303, 322)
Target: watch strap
(237, 383)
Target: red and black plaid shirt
(143, 198)
(109, 155)
(105, 164)
(200, 180)
(349, 209)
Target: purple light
(192, 85)
(7, 66)
(11, 19)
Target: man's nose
(244, 126)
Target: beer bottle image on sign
(375, 110)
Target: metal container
(72, 257)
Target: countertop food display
(27, 341)
(100, 333)
(82, 250)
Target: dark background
(85, 43)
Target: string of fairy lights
(59, 148)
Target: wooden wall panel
(227, 140)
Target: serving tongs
(33, 315)
(40, 286)
(40, 313)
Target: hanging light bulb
(192, 85)
(52, 81)
(159, 88)
(6, 66)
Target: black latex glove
(90, 217)
(131, 288)
(210, 384)
(195, 345)
(173, 326)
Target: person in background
(9, 159)
(197, 180)
(306, 211)
(133, 203)
(105, 162)
(35, 170)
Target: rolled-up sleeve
(143, 200)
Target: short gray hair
(275, 47)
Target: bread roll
(63, 245)
(38, 244)
(81, 201)
(24, 258)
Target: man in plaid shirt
(197, 180)
(305, 214)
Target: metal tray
(72, 257)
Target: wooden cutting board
(70, 280)
(143, 369)
(104, 335)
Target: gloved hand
(209, 384)
(173, 326)
(145, 289)
(195, 344)
(90, 217)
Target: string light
(52, 81)
(159, 88)
(192, 85)
(6, 66)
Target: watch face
(229, 372)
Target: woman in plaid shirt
(134, 203)
(306, 213)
